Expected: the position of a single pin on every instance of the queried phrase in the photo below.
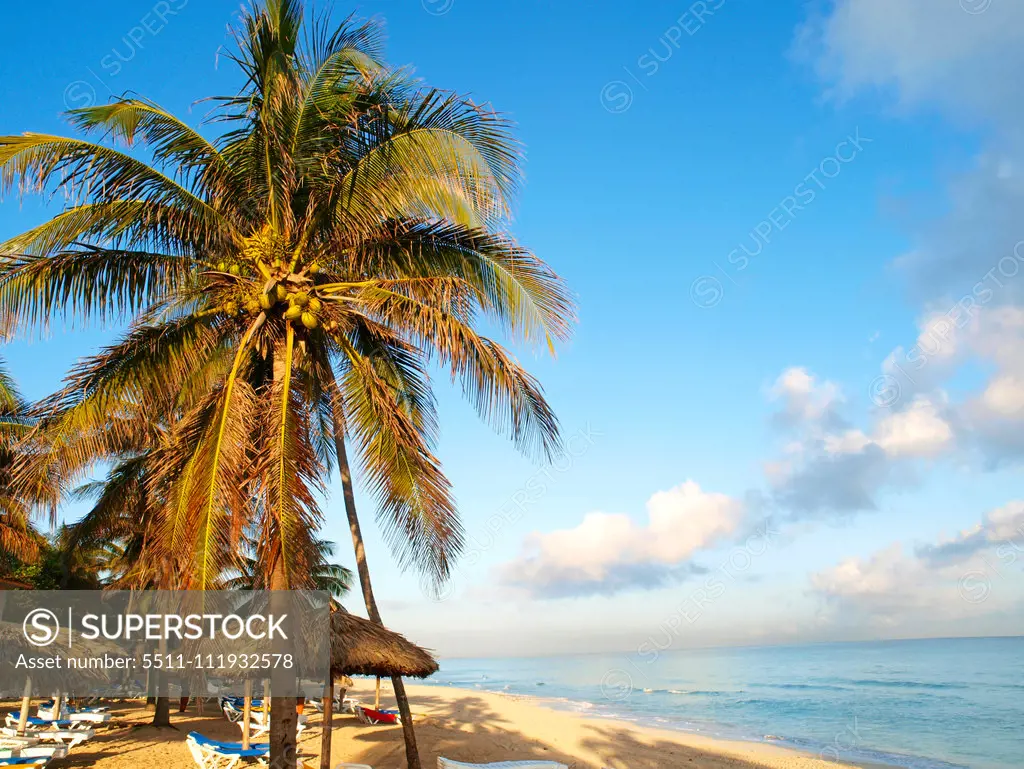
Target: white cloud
(880, 581)
(928, 53)
(992, 419)
(804, 399)
(1002, 526)
(833, 469)
(918, 431)
(1004, 397)
(848, 442)
(976, 575)
(608, 552)
(967, 265)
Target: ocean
(928, 704)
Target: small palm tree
(328, 577)
(20, 543)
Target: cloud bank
(609, 553)
(973, 576)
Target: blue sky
(760, 452)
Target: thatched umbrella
(363, 648)
(13, 645)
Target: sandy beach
(464, 725)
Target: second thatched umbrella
(363, 648)
(13, 645)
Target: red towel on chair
(380, 718)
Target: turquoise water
(932, 704)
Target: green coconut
(282, 293)
(301, 298)
(293, 313)
(266, 302)
(235, 269)
(309, 320)
(315, 305)
(314, 268)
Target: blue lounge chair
(12, 720)
(211, 754)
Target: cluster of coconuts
(302, 306)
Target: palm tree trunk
(26, 703)
(325, 740)
(162, 713)
(246, 714)
(284, 719)
(282, 714)
(412, 755)
(162, 716)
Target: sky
(794, 402)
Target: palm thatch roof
(13, 644)
(360, 647)
(7, 583)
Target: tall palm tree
(292, 280)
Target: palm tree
(328, 577)
(289, 284)
(20, 543)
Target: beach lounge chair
(44, 723)
(76, 717)
(344, 705)
(13, 742)
(36, 751)
(234, 709)
(258, 726)
(30, 761)
(372, 717)
(349, 705)
(211, 754)
(447, 763)
(232, 712)
(69, 737)
(318, 704)
(47, 713)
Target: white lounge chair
(69, 737)
(211, 754)
(13, 742)
(447, 763)
(234, 710)
(258, 727)
(349, 705)
(47, 712)
(45, 723)
(89, 718)
(36, 751)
